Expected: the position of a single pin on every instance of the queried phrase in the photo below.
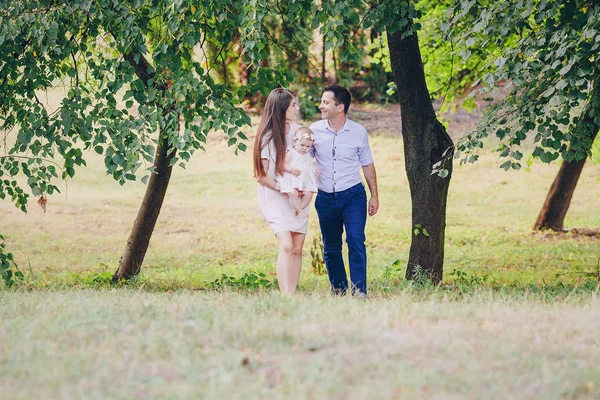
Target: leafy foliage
(133, 70)
(128, 70)
(248, 281)
(8, 269)
(419, 229)
(549, 66)
(466, 282)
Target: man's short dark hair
(340, 95)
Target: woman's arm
(267, 180)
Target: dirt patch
(595, 233)
(386, 120)
(575, 233)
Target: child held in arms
(299, 181)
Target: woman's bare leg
(296, 260)
(289, 261)
(284, 261)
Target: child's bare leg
(295, 202)
(297, 205)
(293, 199)
(305, 198)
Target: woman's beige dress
(274, 205)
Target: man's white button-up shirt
(340, 155)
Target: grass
(124, 343)
(516, 317)
(211, 224)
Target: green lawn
(210, 223)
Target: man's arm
(371, 177)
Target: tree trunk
(323, 60)
(143, 226)
(425, 141)
(558, 200)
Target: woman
(274, 135)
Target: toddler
(299, 181)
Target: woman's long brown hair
(272, 127)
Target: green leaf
(549, 92)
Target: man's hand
(373, 206)
(371, 177)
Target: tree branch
(76, 71)
(291, 36)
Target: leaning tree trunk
(139, 239)
(143, 226)
(558, 200)
(425, 141)
(559, 196)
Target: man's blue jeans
(338, 211)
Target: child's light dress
(306, 181)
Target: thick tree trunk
(139, 239)
(425, 141)
(558, 200)
(143, 226)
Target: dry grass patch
(124, 344)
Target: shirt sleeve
(364, 151)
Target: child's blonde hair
(304, 133)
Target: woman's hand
(266, 180)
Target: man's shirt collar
(344, 128)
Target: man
(341, 149)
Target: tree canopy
(548, 61)
(126, 70)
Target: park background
(516, 315)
